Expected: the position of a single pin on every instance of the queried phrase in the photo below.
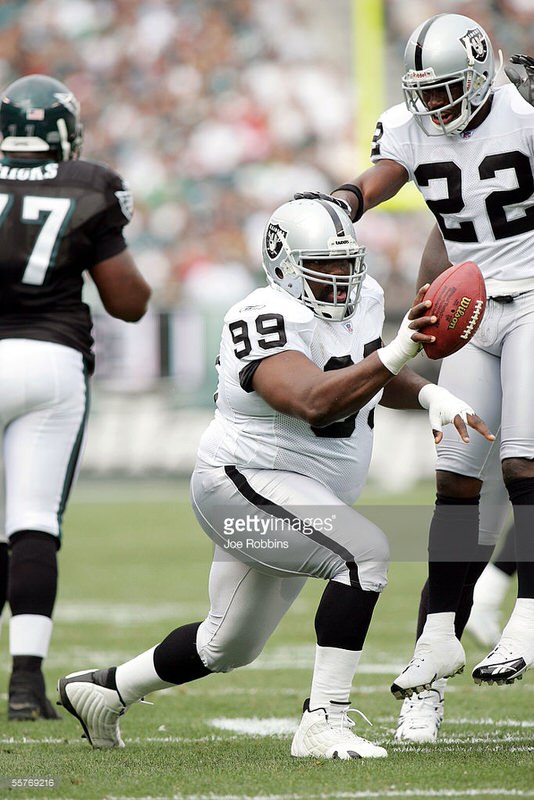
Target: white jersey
(247, 432)
(479, 184)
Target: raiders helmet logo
(475, 44)
(273, 239)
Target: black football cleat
(503, 665)
(27, 698)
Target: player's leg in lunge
(246, 606)
(341, 623)
(248, 598)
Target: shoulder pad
(270, 300)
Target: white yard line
(360, 795)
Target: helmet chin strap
(499, 68)
(64, 139)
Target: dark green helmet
(40, 114)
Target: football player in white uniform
(301, 369)
(60, 217)
(469, 148)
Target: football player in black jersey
(60, 217)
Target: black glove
(523, 80)
(322, 196)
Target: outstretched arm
(377, 184)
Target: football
(458, 301)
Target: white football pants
(43, 410)
(494, 373)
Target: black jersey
(56, 220)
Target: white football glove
(395, 354)
(442, 406)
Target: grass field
(133, 566)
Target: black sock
(4, 573)
(465, 604)
(422, 611)
(452, 545)
(343, 616)
(505, 560)
(176, 659)
(521, 492)
(32, 573)
(27, 663)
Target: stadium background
(215, 112)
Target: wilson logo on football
(463, 305)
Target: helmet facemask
(431, 120)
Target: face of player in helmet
(444, 100)
(332, 288)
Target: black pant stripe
(245, 489)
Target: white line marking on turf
(489, 792)
(285, 726)
(302, 657)
(125, 613)
(494, 723)
(256, 726)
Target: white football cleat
(319, 736)
(505, 664)
(420, 717)
(91, 696)
(435, 656)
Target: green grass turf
(133, 566)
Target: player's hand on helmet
(409, 341)
(444, 407)
(522, 78)
(322, 196)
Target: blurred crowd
(215, 111)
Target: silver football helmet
(453, 53)
(314, 230)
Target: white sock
(138, 677)
(520, 626)
(29, 635)
(439, 623)
(491, 587)
(332, 676)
